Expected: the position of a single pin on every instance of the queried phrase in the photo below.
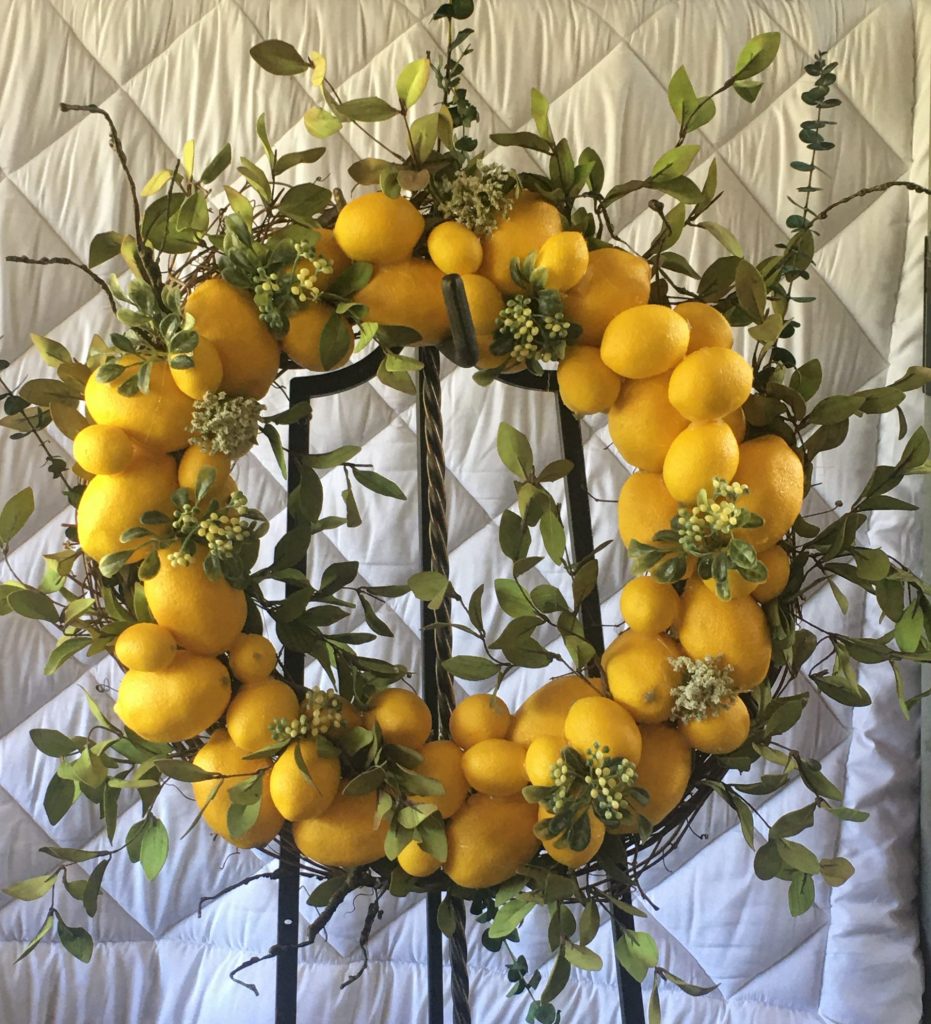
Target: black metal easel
(437, 685)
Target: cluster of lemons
(673, 388)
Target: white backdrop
(173, 70)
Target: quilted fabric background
(173, 70)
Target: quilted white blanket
(175, 69)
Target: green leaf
(103, 247)
(446, 917)
(522, 140)
(637, 953)
(279, 57)
(335, 341)
(38, 937)
(366, 108)
(321, 123)
(31, 888)
(724, 236)
(681, 94)
(582, 957)
(751, 290)
(430, 587)
(801, 894)
(540, 111)
(835, 409)
(378, 483)
(514, 451)
(674, 163)
(182, 771)
(794, 822)
(757, 55)
(509, 917)
(553, 534)
(15, 514)
(797, 857)
(412, 81)
(92, 888)
(836, 870)
(303, 202)
(32, 604)
(76, 940)
(512, 598)
(60, 796)
(53, 743)
(748, 91)
(468, 666)
(217, 165)
(909, 628)
(336, 457)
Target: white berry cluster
(477, 195)
(707, 688)
(221, 423)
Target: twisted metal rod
(438, 640)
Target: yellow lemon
(710, 328)
(220, 755)
(377, 229)
(157, 419)
(254, 710)
(103, 450)
(408, 294)
(645, 341)
(648, 606)
(641, 679)
(564, 854)
(482, 716)
(735, 631)
(737, 421)
(296, 796)
(602, 721)
(615, 280)
(544, 712)
(564, 257)
(115, 503)
(710, 384)
(644, 507)
(206, 373)
(778, 566)
(542, 754)
(305, 333)
(204, 615)
(485, 303)
(700, 453)
(146, 647)
(415, 860)
(403, 717)
(529, 224)
(174, 703)
(252, 657)
(495, 767)
(454, 248)
(327, 246)
(489, 840)
(774, 474)
(227, 316)
(664, 771)
(586, 385)
(442, 760)
(346, 835)
(722, 733)
(643, 424)
(196, 459)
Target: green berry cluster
(524, 332)
(708, 525)
(598, 781)
(321, 714)
(707, 688)
(221, 423)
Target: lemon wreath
(596, 775)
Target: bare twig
(44, 261)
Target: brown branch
(323, 919)
(204, 900)
(43, 261)
(911, 186)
